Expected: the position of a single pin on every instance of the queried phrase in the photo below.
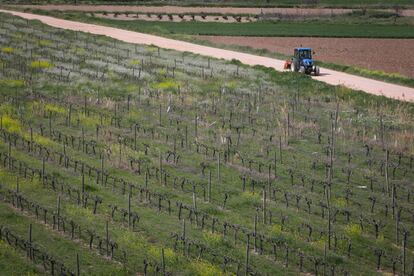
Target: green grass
(55, 244)
(272, 29)
(263, 28)
(9, 255)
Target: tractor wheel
(316, 71)
(302, 70)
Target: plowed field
(389, 55)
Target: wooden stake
(129, 210)
(183, 233)
(29, 253)
(102, 169)
(196, 126)
(163, 262)
(247, 256)
(77, 264)
(218, 168)
(83, 188)
(280, 149)
(387, 184)
(135, 137)
(264, 206)
(107, 238)
(194, 201)
(209, 187)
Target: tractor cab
(302, 62)
(304, 55)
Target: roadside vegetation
(373, 74)
(128, 159)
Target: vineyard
(123, 159)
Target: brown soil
(218, 10)
(389, 55)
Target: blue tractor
(302, 62)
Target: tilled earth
(389, 55)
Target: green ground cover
(149, 160)
(338, 27)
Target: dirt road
(214, 10)
(369, 53)
(328, 76)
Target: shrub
(276, 230)
(44, 42)
(231, 84)
(78, 50)
(169, 255)
(319, 244)
(250, 198)
(204, 268)
(134, 62)
(40, 64)
(168, 84)
(12, 83)
(353, 230)
(7, 109)
(132, 240)
(89, 121)
(150, 49)
(44, 141)
(7, 50)
(339, 202)
(54, 109)
(79, 212)
(10, 124)
(212, 239)
(133, 116)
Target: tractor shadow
(323, 74)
